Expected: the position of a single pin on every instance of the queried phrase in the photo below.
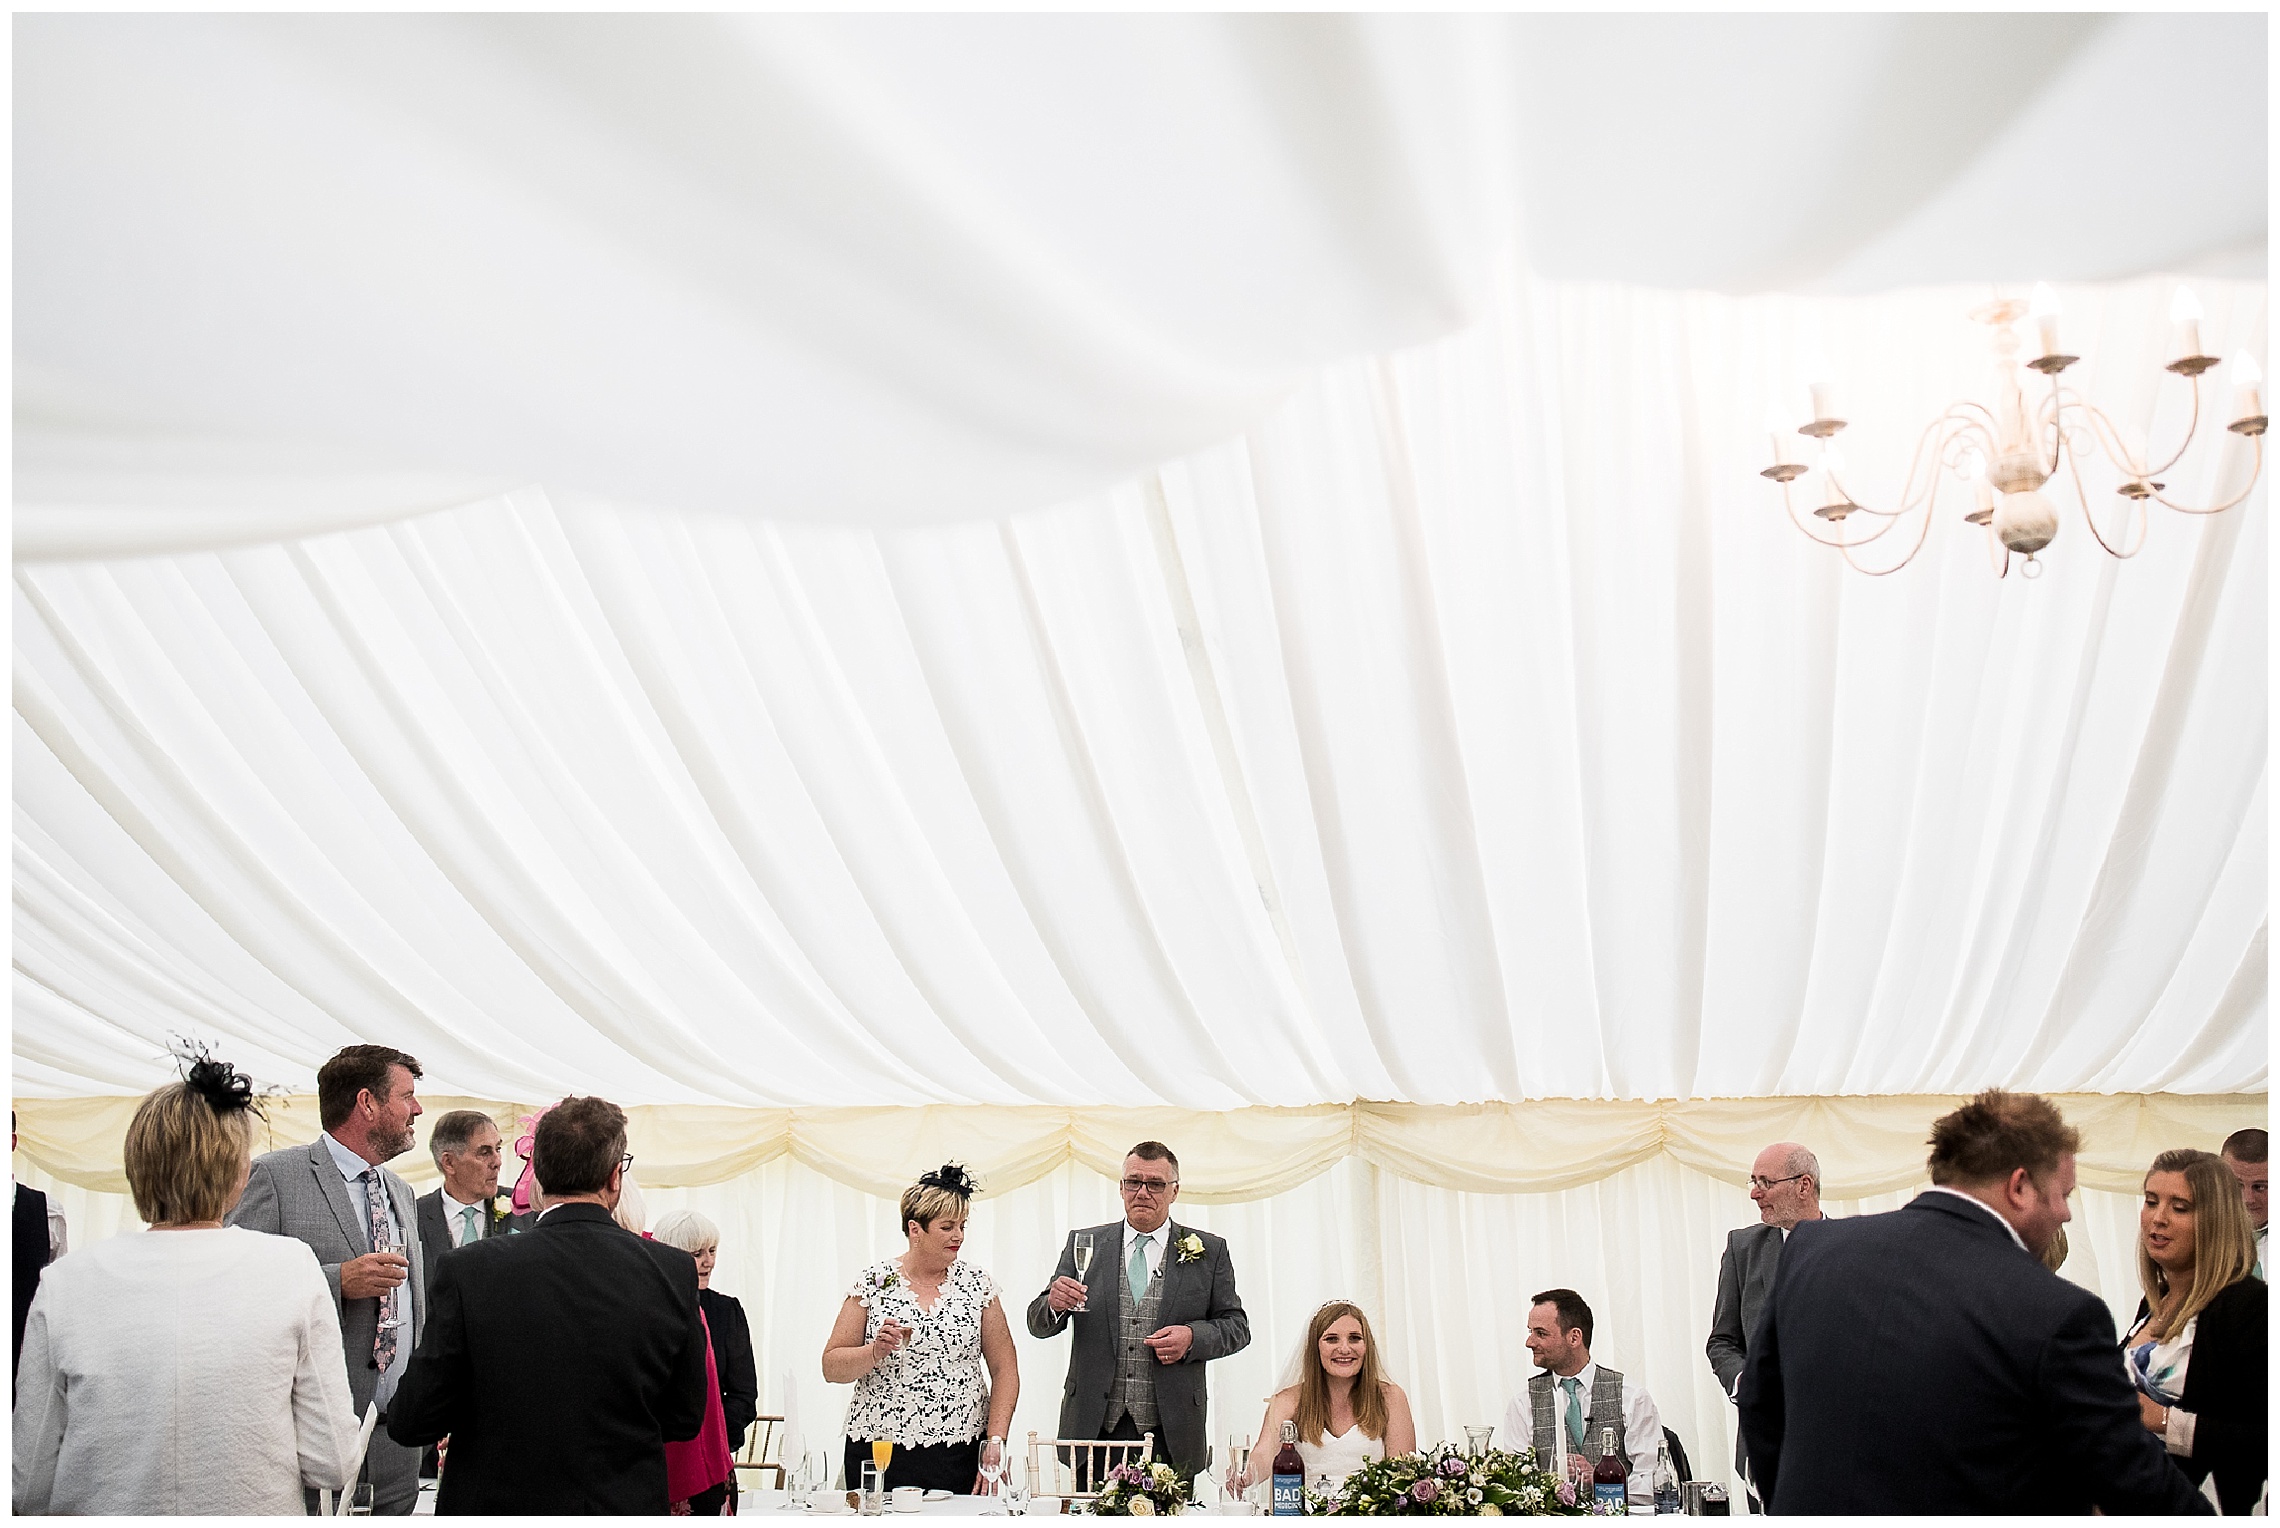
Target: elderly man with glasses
(1786, 1183)
(1152, 1302)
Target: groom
(1160, 1303)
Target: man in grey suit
(335, 1195)
(1156, 1304)
(1786, 1183)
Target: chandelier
(2001, 455)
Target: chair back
(1076, 1468)
(759, 1452)
(1678, 1462)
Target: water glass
(1477, 1440)
(874, 1499)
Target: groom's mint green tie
(1137, 1269)
(467, 1229)
(1574, 1388)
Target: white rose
(1143, 1507)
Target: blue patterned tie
(383, 1340)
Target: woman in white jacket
(194, 1369)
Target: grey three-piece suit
(1106, 1359)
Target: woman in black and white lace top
(925, 1343)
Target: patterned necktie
(1137, 1268)
(467, 1228)
(1574, 1388)
(376, 1213)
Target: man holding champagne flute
(1152, 1302)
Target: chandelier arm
(2192, 429)
(1923, 534)
(1909, 502)
(1820, 540)
(2000, 563)
(2057, 411)
(2254, 474)
(2074, 470)
(2109, 437)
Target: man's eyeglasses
(1769, 1184)
(626, 1161)
(1149, 1186)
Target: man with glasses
(561, 1362)
(1786, 1183)
(1155, 1304)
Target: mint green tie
(468, 1231)
(1574, 1388)
(1137, 1269)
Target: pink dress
(702, 1462)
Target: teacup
(905, 1498)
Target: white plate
(938, 1496)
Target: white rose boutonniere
(1190, 1247)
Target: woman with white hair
(724, 1316)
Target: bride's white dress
(1338, 1456)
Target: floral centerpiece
(1442, 1482)
(1134, 1490)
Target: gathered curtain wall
(1866, 1145)
(1444, 1273)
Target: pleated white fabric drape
(1445, 1276)
(1474, 729)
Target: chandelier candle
(2248, 395)
(2185, 356)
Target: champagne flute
(1084, 1251)
(394, 1247)
(882, 1454)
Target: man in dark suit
(39, 1242)
(1925, 1361)
(335, 1195)
(560, 1362)
(466, 1148)
(1785, 1180)
(1159, 1303)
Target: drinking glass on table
(1084, 1251)
(882, 1455)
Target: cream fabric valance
(1867, 1145)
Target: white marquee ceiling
(1474, 728)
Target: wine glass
(1084, 1251)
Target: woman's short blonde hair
(686, 1229)
(926, 1204)
(186, 1161)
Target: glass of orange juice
(882, 1451)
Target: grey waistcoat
(1134, 1393)
(1547, 1404)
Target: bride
(1347, 1412)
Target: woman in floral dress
(925, 1343)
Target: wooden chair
(1085, 1461)
(758, 1453)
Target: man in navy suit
(1926, 1361)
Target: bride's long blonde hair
(1314, 1380)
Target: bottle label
(1611, 1496)
(1290, 1496)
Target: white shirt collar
(2008, 1229)
(463, 1204)
(352, 1166)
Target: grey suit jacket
(1745, 1278)
(1198, 1294)
(299, 1192)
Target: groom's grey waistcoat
(1547, 1408)
(1198, 1293)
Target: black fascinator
(222, 1085)
(952, 1177)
